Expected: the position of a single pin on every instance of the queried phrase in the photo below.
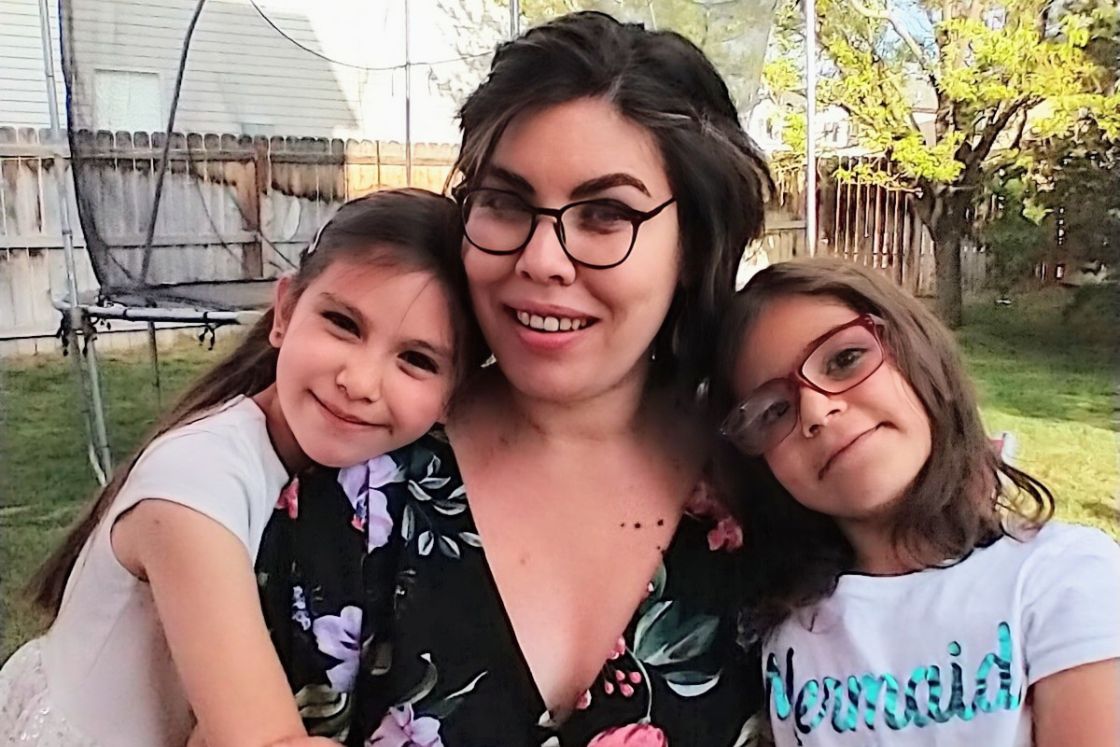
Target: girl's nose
(816, 409)
(361, 380)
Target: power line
(332, 60)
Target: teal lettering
(872, 686)
(1002, 660)
(890, 704)
(934, 709)
(843, 716)
(811, 690)
(912, 712)
(777, 690)
(957, 706)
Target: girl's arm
(1078, 706)
(205, 593)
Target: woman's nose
(543, 259)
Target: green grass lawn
(1049, 380)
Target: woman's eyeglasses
(594, 233)
(839, 360)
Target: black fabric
(436, 643)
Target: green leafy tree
(997, 74)
(733, 33)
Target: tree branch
(907, 39)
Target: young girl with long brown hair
(156, 618)
(908, 588)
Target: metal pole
(96, 415)
(810, 126)
(514, 19)
(407, 96)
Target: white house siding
(23, 93)
(244, 77)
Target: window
(127, 100)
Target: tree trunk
(945, 215)
(947, 261)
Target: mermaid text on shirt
(931, 694)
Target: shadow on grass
(1032, 359)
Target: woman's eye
(603, 216)
(421, 361)
(341, 321)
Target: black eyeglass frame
(636, 217)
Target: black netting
(285, 109)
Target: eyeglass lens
(840, 362)
(596, 233)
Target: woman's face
(602, 321)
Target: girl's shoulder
(1058, 544)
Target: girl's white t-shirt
(108, 668)
(945, 656)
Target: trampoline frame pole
(514, 18)
(101, 459)
(407, 94)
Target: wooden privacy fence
(241, 208)
(862, 222)
(233, 208)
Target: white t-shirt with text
(945, 656)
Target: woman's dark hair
(409, 229)
(664, 83)
(965, 495)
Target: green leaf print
(666, 637)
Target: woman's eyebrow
(600, 183)
(511, 179)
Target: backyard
(1047, 377)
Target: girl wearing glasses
(533, 576)
(913, 592)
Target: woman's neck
(608, 415)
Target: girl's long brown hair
(406, 228)
(965, 495)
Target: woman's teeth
(550, 323)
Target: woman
(533, 574)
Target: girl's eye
(774, 413)
(420, 360)
(342, 322)
(844, 361)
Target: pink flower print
(289, 499)
(702, 505)
(339, 636)
(371, 507)
(584, 701)
(401, 728)
(631, 735)
(727, 535)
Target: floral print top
(388, 621)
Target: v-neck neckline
(521, 666)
